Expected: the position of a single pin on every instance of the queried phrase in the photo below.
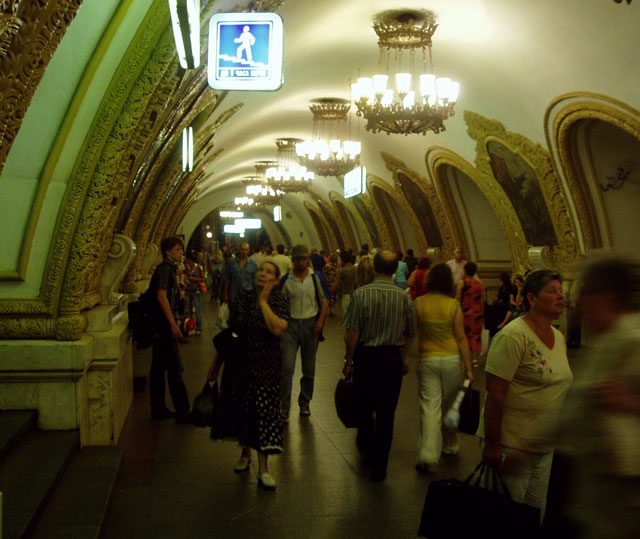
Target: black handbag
(345, 402)
(204, 405)
(470, 412)
(227, 343)
(455, 508)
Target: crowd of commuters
(279, 301)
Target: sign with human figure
(245, 51)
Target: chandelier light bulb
(427, 84)
(454, 91)
(403, 83)
(409, 100)
(443, 89)
(387, 98)
(380, 83)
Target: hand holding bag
(223, 316)
(204, 405)
(486, 513)
(345, 402)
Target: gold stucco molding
(381, 212)
(437, 159)
(397, 166)
(349, 206)
(339, 229)
(322, 227)
(30, 33)
(561, 118)
(483, 130)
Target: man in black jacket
(162, 293)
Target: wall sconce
(185, 19)
(277, 213)
(617, 181)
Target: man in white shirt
(457, 265)
(309, 301)
(281, 260)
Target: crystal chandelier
(247, 204)
(421, 101)
(329, 153)
(287, 169)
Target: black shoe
(161, 414)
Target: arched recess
(333, 221)
(364, 207)
(396, 215)
(422, 197)
(321, 226)
(446, 167)
(357, 226)
(523, 174)
(571, 126)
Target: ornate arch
(381, 211)
(561, 118)
(321, 227)
(485, 132)
(336, 198)
(398, 167)
(437, 159)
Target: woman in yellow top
(444, 353)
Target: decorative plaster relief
(121, 255)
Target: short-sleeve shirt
(539, 378)
(240, 278)
(382, 313)
(304, 303)
(436, 314)
(164, 278)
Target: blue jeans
(194, 300)
(300, 334)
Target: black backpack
(143, 322)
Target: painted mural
(520, 184)
(420, 205)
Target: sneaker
(266, 481)
(304, 410)
(284, 415)
(242, 464)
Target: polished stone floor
(176, 482)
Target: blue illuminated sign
(245, 51)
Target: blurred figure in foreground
(603, 408)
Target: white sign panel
(245, 51)
(248, 223)
(355, 182)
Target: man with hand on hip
(309, 301)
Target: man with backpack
(309, 301)
(161, 297)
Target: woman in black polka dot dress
(260, 317)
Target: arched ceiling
(92, 104)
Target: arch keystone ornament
(530, 187)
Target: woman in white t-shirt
(528, 376)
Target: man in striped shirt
(380, 326)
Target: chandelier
(287, 169)
(421, 101)
(286, 186)
(329, 153)
(257, 189)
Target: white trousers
(526, 475)
(439, 378)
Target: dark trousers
(166, 358)
(377, 378)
